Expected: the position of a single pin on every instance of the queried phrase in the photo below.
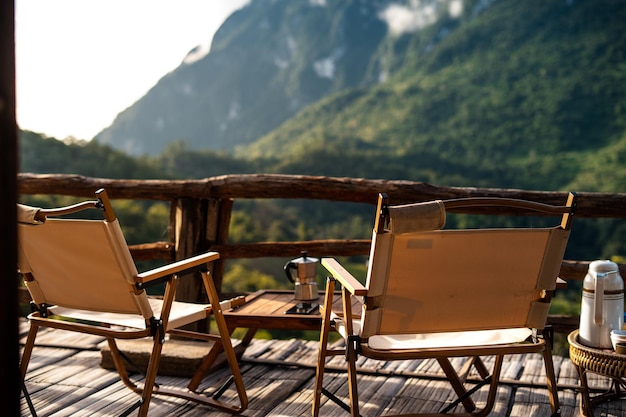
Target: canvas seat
(82, 278)
(438, 340)
(433, 293)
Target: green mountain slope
(41, 154)
(526, 94)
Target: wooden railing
(200, 212)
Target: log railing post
(188, 226)
(200, 225)
(216, 233)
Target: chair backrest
(422, 281)
(80, 264)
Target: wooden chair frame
(156, 327)
(356, 343)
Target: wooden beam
(9, 374)
(355, 190)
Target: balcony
(66, 377)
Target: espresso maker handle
(288, 267)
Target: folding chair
(82, 278)
(439, 294)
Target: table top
(601, 361)
(267, 309)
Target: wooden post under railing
(216, 233)
(188, 240)
(199, 225)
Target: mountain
(268, 61)
(513, 94)
(496, 93)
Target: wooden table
(269, 309)
(599, 361)
(266, 309)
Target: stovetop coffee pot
(306, 285)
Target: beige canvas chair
(82, 278)
(440, 294)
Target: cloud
(455, 8)
(418, 14)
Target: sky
(80, 63)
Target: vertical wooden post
(9, 369)
(189, 224)
(200, 224)
(216, 233)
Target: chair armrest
(35, 215)
(181, 266)
(346, 279)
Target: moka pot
(304, 280)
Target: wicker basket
(599, 361)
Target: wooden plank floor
(65, 379)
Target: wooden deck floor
(65, 379)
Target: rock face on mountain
(267, 61)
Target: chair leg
(28, 348)
(493, 388)
(118, 361)
(222, 344)
(323, 346)
(319, 375)
(457, 383)
(29, 401)
(479, 365)
(551, 380)
(352, 377)
(203, 370)
(151, 373)
(227, 346)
